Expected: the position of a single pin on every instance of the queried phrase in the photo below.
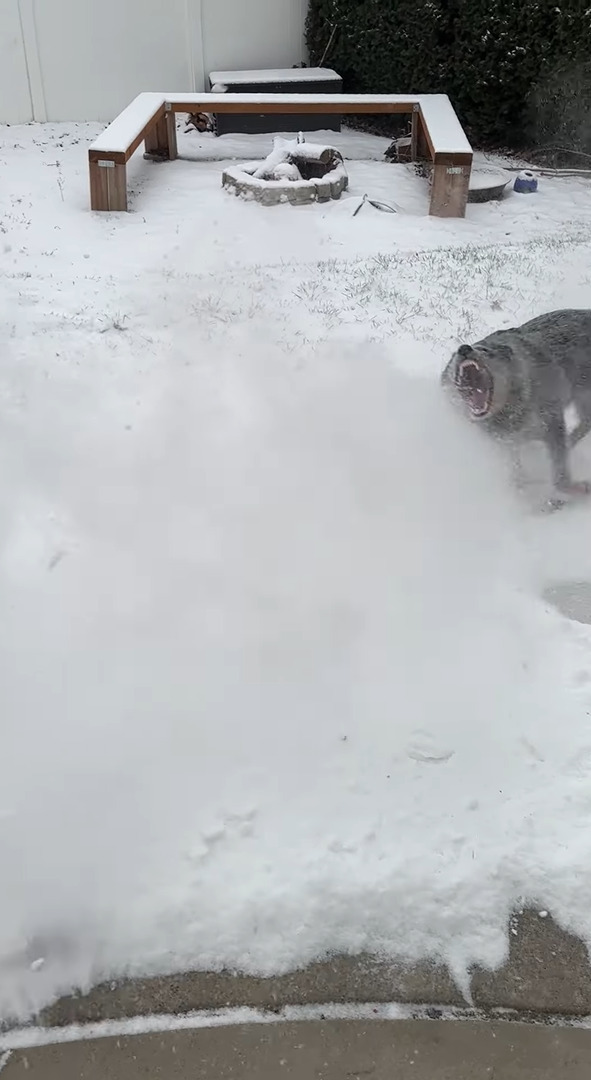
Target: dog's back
(559, 338)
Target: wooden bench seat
(437, 136)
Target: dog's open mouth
(475, 384)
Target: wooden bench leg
(414, 134)
(449, 190)
(419, 146)
(160, 141)
(108, 185)
(170, 121)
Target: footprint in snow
(423, 747)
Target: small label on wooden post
(106, 164)
(454, 170)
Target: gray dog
(518, 383)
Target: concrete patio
(335, 1050)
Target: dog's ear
(465, 351)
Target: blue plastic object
(525, 182)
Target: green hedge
(559, 112)
(496, 59)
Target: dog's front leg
(582, 428)
(518, 471)
(557, 442)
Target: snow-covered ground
(276, 674)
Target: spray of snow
(277, 677)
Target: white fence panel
(243, 34)
(16, 106)
(96, 55)
(86, 59)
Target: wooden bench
(437, 136)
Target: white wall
(15, 99)
(252, 33)
(86, 59)
(96, 55)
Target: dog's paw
(554, 503)
(566, 496)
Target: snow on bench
(273, 75)
(129, 126)
(351, 103)
(436, 134)
(443, 129)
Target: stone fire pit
(295, 171)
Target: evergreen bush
(500, 61)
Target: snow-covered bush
(493, 57)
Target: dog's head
(480, 381)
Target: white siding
(16, 106)
(246, 34)
(86, 59)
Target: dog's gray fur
(537, 371)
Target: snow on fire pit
(295, 172)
